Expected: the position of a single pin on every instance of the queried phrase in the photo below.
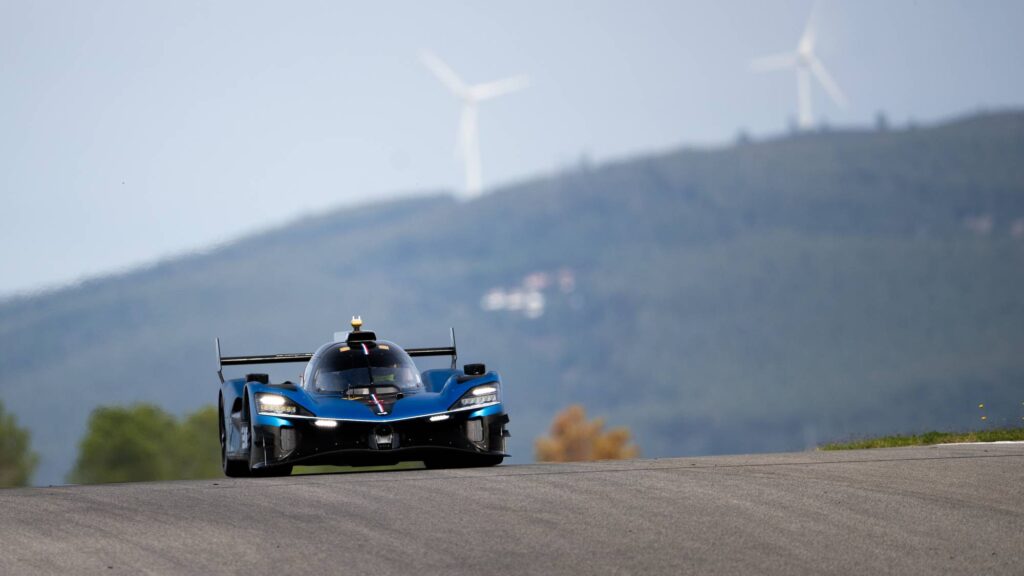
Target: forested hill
(761, 296)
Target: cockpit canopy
(349, 366)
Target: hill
(764, 296)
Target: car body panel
(333, 429)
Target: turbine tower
(806, 64)
(468, 145)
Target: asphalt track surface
(935, 510)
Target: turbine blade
(773, 62)
(826, 81)
(807, 39)
(498, 87)
(446, 75)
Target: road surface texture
(931, 510)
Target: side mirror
(475, 369)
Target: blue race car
(360, 402)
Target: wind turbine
(471, 96)
(806, 64)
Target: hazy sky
(136, 130)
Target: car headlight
(486, 394)
(275, 404)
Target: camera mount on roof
(357, 335)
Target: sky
(134, 131)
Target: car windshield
(362, 364)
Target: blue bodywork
(332, 429)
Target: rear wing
(223, 361)
(445, 351)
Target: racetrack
(949, 509)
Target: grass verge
(928, 438)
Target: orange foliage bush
(574, 439)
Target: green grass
(350, 469)
(929, 438)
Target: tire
(231, 468)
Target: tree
(143, 442)
(573, 438)
(17, 461)
(199, 447)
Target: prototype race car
(360, 402)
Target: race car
(360, 401)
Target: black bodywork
(361, 402)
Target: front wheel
(231, 468)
